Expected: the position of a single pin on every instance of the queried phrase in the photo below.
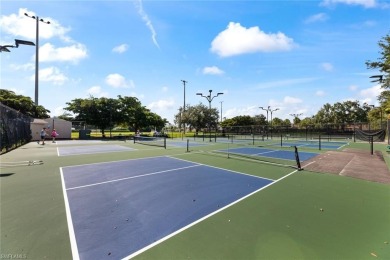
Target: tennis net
(153, 141)
(281, 156)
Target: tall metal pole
(272, 112)
(36, 59)
(37, 20)
(209, 99)
(221, 109)
(184, 105)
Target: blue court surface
(278, 154)
(116, 209)
(91, 149)
(324, 145)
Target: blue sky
(291, 55)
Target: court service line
(205, 217)
(132, 177)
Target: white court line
(72, 236)
(201, 219)
(132, 177)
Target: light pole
(36, 18)
(271, 113)
(4, 48)
(221, 109)
(209, 99)
(184, 105)
(266, 109)
(296, 116)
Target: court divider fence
(15, 128)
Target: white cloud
(370, 95)
(121, 48)
(118, 81)
(147, 21)
(327, 66)
(72, 53)
(321, 17)
(96, 91)
(291, 100)
(23, 26)
(58, 111)
(161, 105)
(51, 74)
(164, 89)
(365, 3)
(236, 40)
(238, 111)
(25, 67)
(19, 25)
(213, 70)
(320, 93)
(353, 88)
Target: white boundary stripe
(132, 177)
(106, 151)
(143, 158)
(201, 219)
(72, 237)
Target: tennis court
(128, 205)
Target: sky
(293, 56)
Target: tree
(277, 121)
(342, 113)
(197, 117)
(23, 104)
(383, 62)
(383, 65)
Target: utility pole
(221, 109)
(36, 18)
(184, 105)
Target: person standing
(43, 135)
(54, 134)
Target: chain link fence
(15, 128)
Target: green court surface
(302, 215)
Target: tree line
(104, 113)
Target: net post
(281, 140)
(253, 139)
(319, 142)
(134, 138)
(297, 159)
(165, 142)
(371, 140)
(188, 144)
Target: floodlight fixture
(377, 78)
(18, 42)
(4, 48)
